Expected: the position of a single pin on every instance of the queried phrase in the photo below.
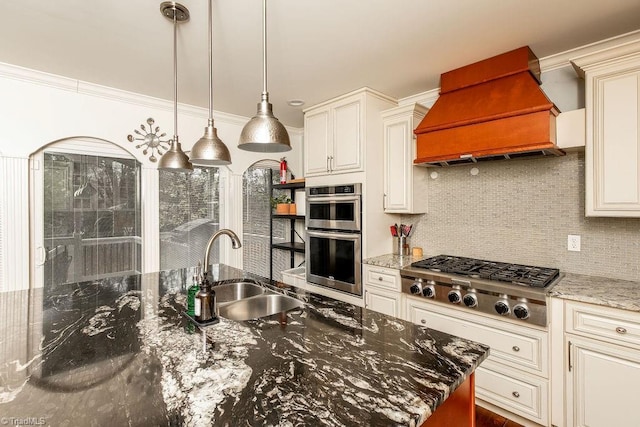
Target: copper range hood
(492, 109)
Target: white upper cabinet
(317, 133)
(612, 150)
(335, 132)
(404, 184)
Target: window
(189, 215)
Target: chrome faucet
(235, 244)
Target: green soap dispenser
(191, 297)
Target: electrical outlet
(573, 243)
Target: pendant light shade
(264, 132)
(175, 159)
(210, 150)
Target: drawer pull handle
(380, 278)
(423, 321)
(621, 330)
(515, 348)
(516, 394)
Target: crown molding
(14, 72)
(426, 99)
(622, 45)
(605, 49)
(364, 89)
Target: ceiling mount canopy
(175, 159)
(210, 150)
(264, 132)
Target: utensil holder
(401, 245)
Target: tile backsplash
(522, 211)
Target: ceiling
(316, 49)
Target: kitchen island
(119, 352)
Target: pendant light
(264, 132)
(210, 150)
(175, 159)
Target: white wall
(40, 108)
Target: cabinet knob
(515, 348)
(423, 321)
(380, 278)
(621, 330)
(516, 394)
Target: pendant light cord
(175, 77)
(210, 62)
(265, 94)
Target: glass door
(87, 217)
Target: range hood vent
(492, 109)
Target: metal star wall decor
(151, 140)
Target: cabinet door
(385, 302)
(347, 136)
(612, 153)
(317, 142)
(397, 165)
(405, 185)
(602, 384)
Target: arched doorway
(256, 216)
(86, 212)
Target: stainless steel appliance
(333, 245)
(500, 289)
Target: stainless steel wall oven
(334, 240)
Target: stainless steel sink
(258, 306)
(236, 291)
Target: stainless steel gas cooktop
(501, 289)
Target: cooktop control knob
(521, 311)
(429, 291)
(502, 307)
(454, 297)
(416, 288)
(470, 300)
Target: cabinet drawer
(383, 301)
(521, 394)
(613, 325)
(518, 347)
(384, 278)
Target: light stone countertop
(391, 261)
(616, 293)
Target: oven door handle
(330, 234)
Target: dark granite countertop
(118, 352)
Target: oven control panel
(462, 294)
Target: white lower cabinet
(382, 290)
(603, 366)
(513, 390)
(515, 377)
